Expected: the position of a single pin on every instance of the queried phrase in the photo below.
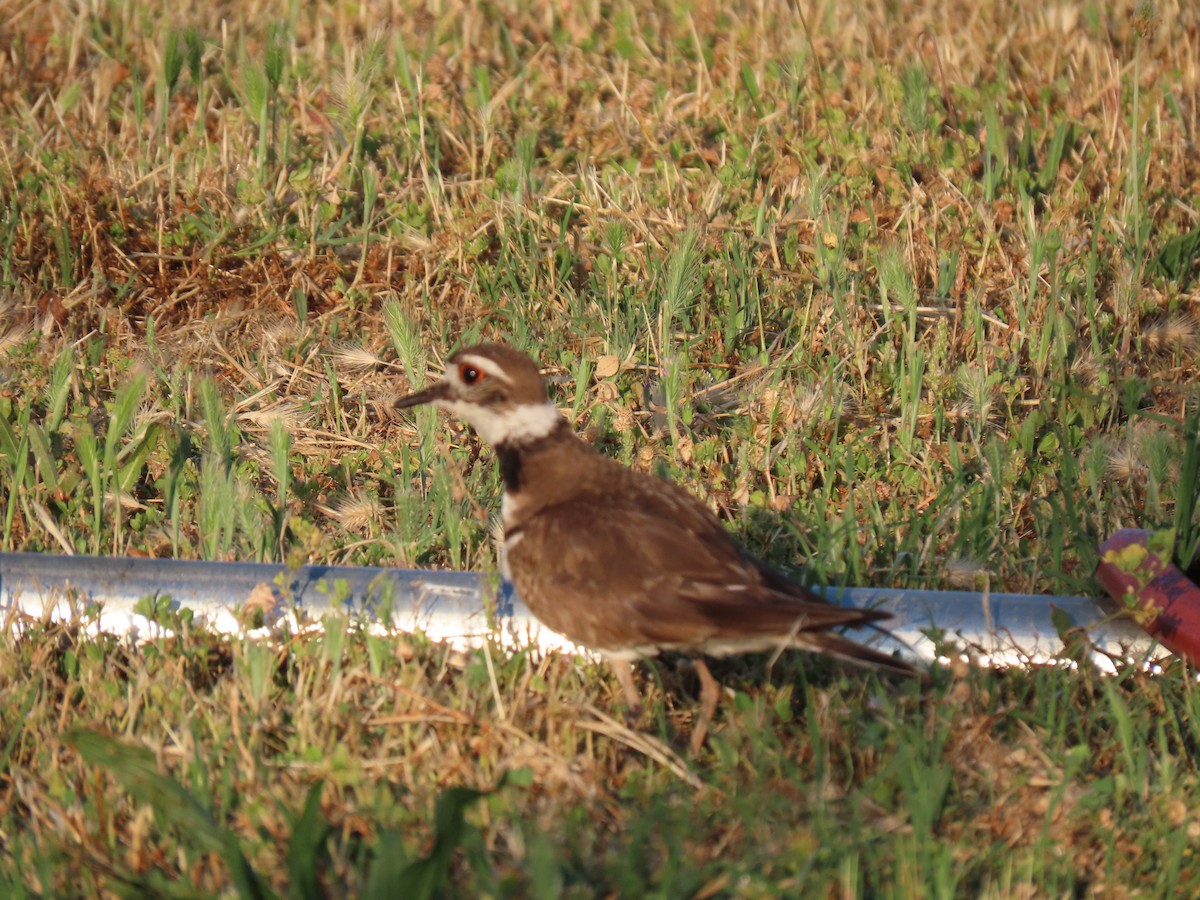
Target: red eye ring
(470, 374)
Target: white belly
(508, 509)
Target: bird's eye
(470, 374)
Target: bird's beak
(431, 394)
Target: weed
(901, 319)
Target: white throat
(515, 424)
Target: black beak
(431, 394)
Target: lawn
(905, 292)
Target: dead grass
(943, 327)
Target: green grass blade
(1187, 529)
(306, 851)
(425, 878)
(136, 769)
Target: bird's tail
(859, 654)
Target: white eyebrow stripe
(482, 362)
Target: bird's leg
(624, 673)
(710, 693)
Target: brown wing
(624, 577)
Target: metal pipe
(465, 608)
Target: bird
(622, 562)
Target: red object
(1129, 567)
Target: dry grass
(907, 293)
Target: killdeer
(621, 562)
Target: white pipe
(465, 609)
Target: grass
(908, 299)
